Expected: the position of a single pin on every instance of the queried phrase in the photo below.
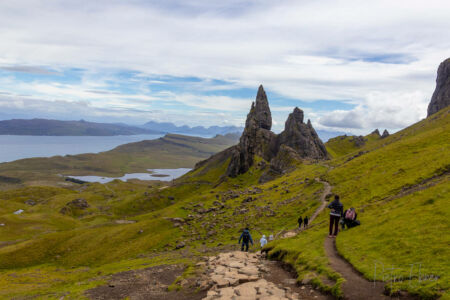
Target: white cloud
(305, 50)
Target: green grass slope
(400, 188)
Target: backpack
(350, 214)
(246, 237)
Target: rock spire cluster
(297, 138)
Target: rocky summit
(300, 139)
(441, 95)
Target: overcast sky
(350, 65)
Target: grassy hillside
(170, 151)
(399, 186)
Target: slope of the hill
(343, 145)
(400, 187)
(170, 151)
(67, 128)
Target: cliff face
(441, 95)
(257, 139)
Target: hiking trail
(241, 275)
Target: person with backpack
(300, 220)
(350, 216)
(305, 221)
(246, 238)
(335, 214)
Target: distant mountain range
(67, 128)
(197, 130)
(85, 128)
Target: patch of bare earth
(150, 284)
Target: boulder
(76, 204)
(441, 95)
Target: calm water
(13, 147)
(169, 174)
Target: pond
(156, 174)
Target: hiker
(349, 219)
(300, 220)
(335, 214)
(246, 238)
(263, 242)
(305, 221)
(270, 237)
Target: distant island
(41, 127)
(67, 128)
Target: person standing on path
(300, 220)
(335, 214)
(305, 222)
(246, 238)
(263, 242)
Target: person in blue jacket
(246, 238)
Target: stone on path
(237, 276)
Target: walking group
(337, 216)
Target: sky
(352, 66)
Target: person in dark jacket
(246, 238)
(335, 214)
(300, 220)
(305, 222)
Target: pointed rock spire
(261, 110)
(385, 134)
(441, 95)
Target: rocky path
(244, 276)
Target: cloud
(29, 69)
(349, 51)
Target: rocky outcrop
(283, 162)
(441, 95)
(376, 132)
(385, 134)
(72, 206)
(302, 137)
(257, 139)
(297, 141)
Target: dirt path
(356, 286)
(326, 191)
(242, 275)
